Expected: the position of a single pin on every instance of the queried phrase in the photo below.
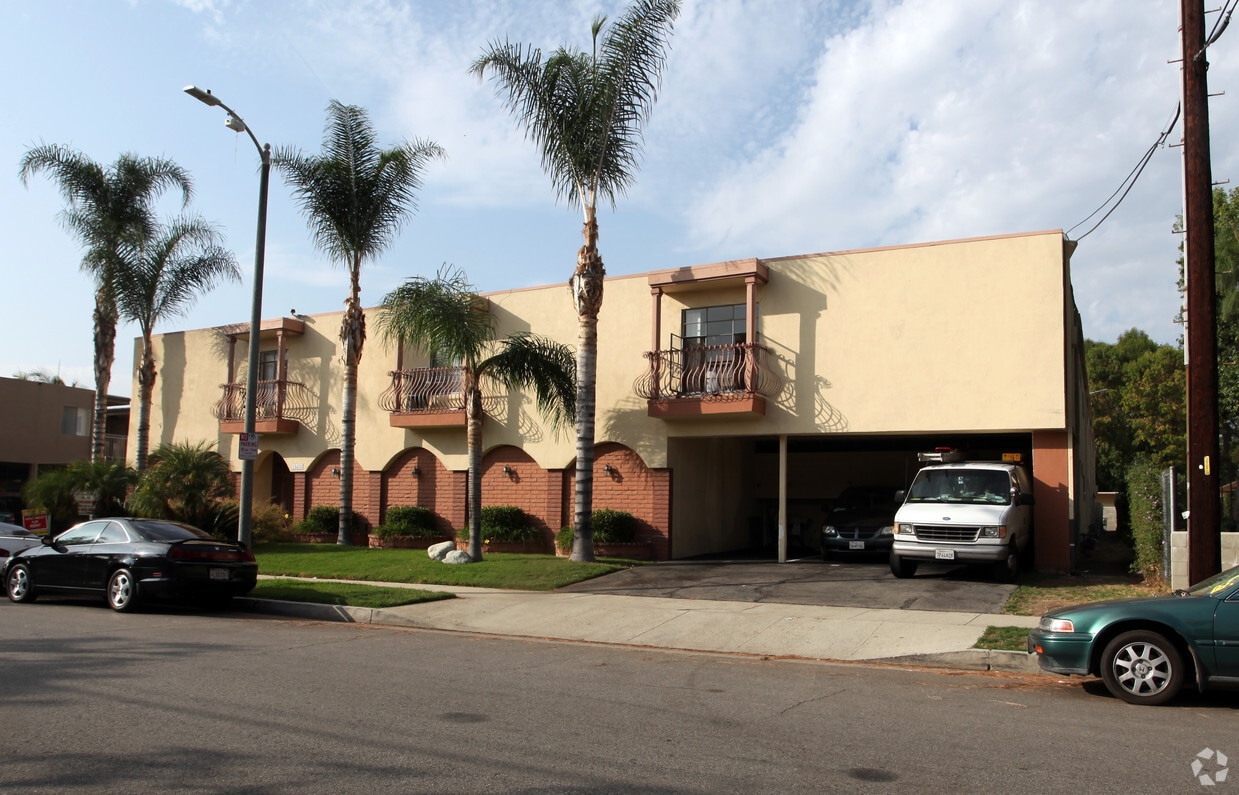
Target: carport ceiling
(991, 443)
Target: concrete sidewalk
(913, 637)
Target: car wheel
(122, 591)
(1006, 570)
(1142, 667)
(902, 567)
(19, 585)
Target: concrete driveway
(866, 583)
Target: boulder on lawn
(457, 556)
(440, 550)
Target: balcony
(709, 381)
(425, 397)
(281, 407)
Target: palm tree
(187, 482)
(106, 206)
(42, 375)
(585, 112)
(159, 277)
(442, 315)
(355, 197)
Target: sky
(782, 127)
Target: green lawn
(343, 593)
(1004, 639)
(519, 572)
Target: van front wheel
(902, 567)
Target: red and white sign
(247, 446)
(36, 521)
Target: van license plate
(856, 545)
(944, 554)
(219, 574)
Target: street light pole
(235, 123)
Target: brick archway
(623, 482)
(418, 477)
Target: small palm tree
(42, 375)
(586, 112)
(355, 197)
(159, 277)
(186, 482)
(442, 315)
(106, 206)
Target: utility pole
(1203, 494)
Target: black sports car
(127, 560)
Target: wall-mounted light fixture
(335, 472)
(507, 470)
(417, 472)
(608, 469)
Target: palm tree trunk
(473, 442)
(587, 298)
(146, 386)
(353, 335)
(105, 354)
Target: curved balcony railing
(276, 400)
(426, 390)
(714, 372)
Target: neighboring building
(48, 426)
(766, 387)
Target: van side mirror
(900, 495)
(1026, 498)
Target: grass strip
(497, 570)
(343, 593)
(1003, 639)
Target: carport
(768, 496)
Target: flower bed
(636, 550)
(359, 539)
(533, 547)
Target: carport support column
(783, 498)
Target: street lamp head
(205, 97)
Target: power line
(1130, 180)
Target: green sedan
(1145, 649)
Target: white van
(967, 512)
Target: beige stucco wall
(956, 336)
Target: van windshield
(974, 486)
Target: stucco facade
(833, 369)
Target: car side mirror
(47, 540)
(1027, 499)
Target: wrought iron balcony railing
(276, 400)
(711, 373)
(426, 390)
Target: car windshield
(168, 531)
(974, 486)
(1216, 584)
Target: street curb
(319, 612)
(972, 660)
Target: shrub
(610, 527)
(505, 523)
(270, 523)
(326, 519)
(1144, 499)
(408, 520)
(614, 527)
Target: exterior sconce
(335, 472)
(417, 472)
(507, 470)
(610, 470)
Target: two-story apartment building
(729, 395)
(48, 426)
